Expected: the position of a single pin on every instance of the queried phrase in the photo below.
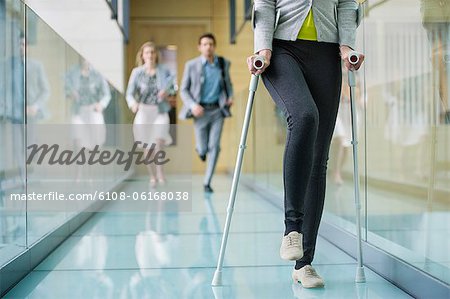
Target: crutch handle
(258, 62)
(353, 57)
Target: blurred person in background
(16, 111)
(207, 94)
(89, 94)
(149, 89)
(12, 85)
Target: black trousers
(304, 80)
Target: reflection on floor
(167, 254)
(400, 224)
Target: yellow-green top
(308, 30)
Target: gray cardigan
(191, 87)
(12, 89)
(165, 80)
(98, 87)
(335, 20)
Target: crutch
(258, 63)
(353, 58)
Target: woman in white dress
(147, 94)
(90, 95)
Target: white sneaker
(292, 246)
(308, 277)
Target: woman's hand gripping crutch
(258, 64)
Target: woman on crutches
(303, 43)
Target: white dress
(343, 127)
(88, 127)
(149, 125)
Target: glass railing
(404, 137)
(408, 132)
(45, 88)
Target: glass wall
(408, 131)
(49, 95)
(12, 93)
(404, 136)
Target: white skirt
(150, 125)
(89, 127)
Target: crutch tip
(217, 279)
(218, 292)
(360, 275)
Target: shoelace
(309, 271)
(293, 241)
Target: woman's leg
(286, 83)
(340, 160)
(159, 167)
(324, 75)
(152, 178)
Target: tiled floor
(173, 255)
